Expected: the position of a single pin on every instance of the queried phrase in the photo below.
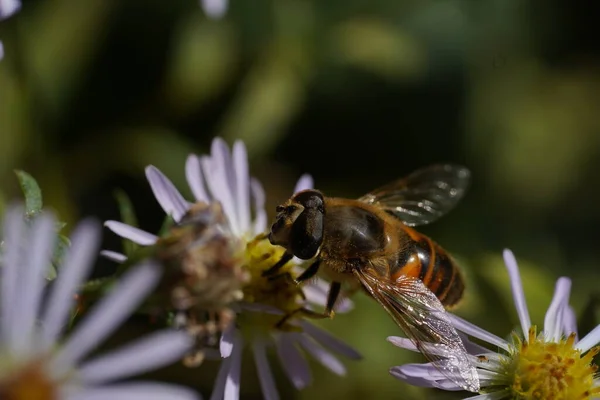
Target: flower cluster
(37, 361)
(547, 364)
(223, 177)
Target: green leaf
(128, 217)
(58, 258)
(32, 192)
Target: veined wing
(423, 196)
(424, 320)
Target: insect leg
(303, 311)
(309, 272)
(282, 261)
(332, 296)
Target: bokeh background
(356, 93)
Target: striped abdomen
(424, 259)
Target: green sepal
(32, 192)
(58, 257)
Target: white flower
(550, 364)
(36, 360)
(223, 176)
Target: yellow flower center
(279, 291)
(27, 383)
(552, 370)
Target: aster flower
(223, 177)
(36, 360)
(547, 364)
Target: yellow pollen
(279, 291)
(551, 370)
(28, 383)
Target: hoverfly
(370, 243)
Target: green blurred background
(356, 93)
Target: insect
(370, 243)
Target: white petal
(242, 181)
(232, 383)
(260, 214)
(426, 371)
(8, 8)
(407, 344)
(221, 154)
(305, 182)
(135, 391)
(315, 295)
(226, 343)
(114, 256)
(106, 316)
(136, 235)
(215, 9)
(265, 376)
(193, 174)
(31, 281)
(517, 291)
(402, 342)
(477, 332)
(216, 178)
(166, 194)
(329, 341)
(78, 263)
(293, 363)
(472, 348)
(13, 235)
(554, 322)
(316, 292)
(590, 340)
(420, 375)
(320, 354)
(151, 352)
(219, 386)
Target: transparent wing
(423, 196)
(424, 321)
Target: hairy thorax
(354, 237)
